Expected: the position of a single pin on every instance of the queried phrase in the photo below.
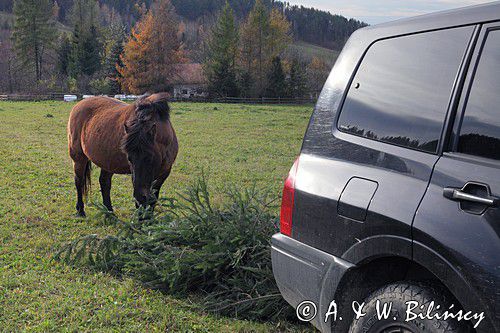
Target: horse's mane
(148, 111)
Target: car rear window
(480, 133)
(401, 91)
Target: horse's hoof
(81, 215)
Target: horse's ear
(125, 127)
(160, 104)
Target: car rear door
(459, 217)
(363, 173)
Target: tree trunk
(11, 88)
(37, 64)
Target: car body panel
(468, 240)
(405, 215)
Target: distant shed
(190, 81)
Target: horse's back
(93, 105)
(94, 129)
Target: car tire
(398, 294)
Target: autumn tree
(220, 67)
(152, 51)
(264, 36)
(280, 35)
(317, 73)
(34, 32)
(56, 11)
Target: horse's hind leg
(105, 181)
(82, 179)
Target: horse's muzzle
(144, 201)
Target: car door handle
(460, 195)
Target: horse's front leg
(105, 182)
(158, 183)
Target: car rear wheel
(396, 297)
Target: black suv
(394, 199)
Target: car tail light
(287, 202)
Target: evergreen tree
(63, 55)
(297, 81)
(74, 66)
(34, 32)
(91, 59)
(85, 13)
(114, 36)
(220, 67)
(112, 64)
(276, 80)
(86, 47)
(245, 84)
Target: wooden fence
(235, 100)
(32, 97)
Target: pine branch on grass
(194, 246)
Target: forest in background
(84, 44)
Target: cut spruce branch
(193, 246)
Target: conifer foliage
(85, 57)
(297, 81)
(34, 32)
(276, 86)
(220, 67)
(219, 251)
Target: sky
(379, 11)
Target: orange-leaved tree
(264, 36)
(152, 51)
(317, 73)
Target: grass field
(309, 51)
(238, 144)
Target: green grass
(239, 144)
(309, 51)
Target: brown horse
(122, 138)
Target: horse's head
(140, 145)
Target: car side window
(401, 91)
(480, 132)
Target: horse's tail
(87, 179)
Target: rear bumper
(304, 273)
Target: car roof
(483, 13)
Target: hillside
(7, 20)
(86, 62)
(308, 51)
(309, 25)
(305, 51)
